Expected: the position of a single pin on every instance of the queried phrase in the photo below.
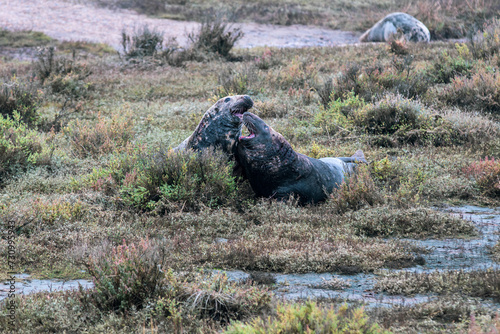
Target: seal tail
(359, 156)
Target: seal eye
(227, 99)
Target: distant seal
(412, 29)
(220, 126)
(275, 170)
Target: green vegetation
(90, 181)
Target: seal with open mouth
(275, 170)
(220, 126)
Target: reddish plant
(486, 173)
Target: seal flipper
(357, 157)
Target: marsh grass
(482, 283)
(409, 223)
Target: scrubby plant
(412, 222)
(234, 82)
(21, 97)
(267, 60)
(481, 91)
(337, 117)
(297, 74)
(479, 283)
(486, 43)
(309, 318)
(180, 180)
(446, 67)
(215, 36)
(19, 145)
(486, 173)
(126, 277)
(144, 42)
(105, 136)
(357, 191)
(392, 114)
(135, 275)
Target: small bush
(298, 73)
(486, 173)
(125, 278)
(357, 191)
(135, 275)
(232, 82)
(372, 82)
(267, 60)
(392, 114)
(19, 145)
(180, 180)
(309, 318)
(486, 43)
(107, 135)
(143, 43)
(478, 283)
(215, 36)
(445, 68)
(481, 91)
(20, 97)
(337, 117)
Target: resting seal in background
(413, 29)
(220, 126)
(275, 170)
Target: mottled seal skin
(413, 30)
(220, 126)
(275, 170)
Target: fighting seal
(220, 126)
(275, 170)
(413, 30)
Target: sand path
(74, 21)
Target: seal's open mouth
(251, 129)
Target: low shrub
(486, 173)
(233, 82)
(126, 277)
(337, 117)
(267, 60)
(409, 223)
(131, 277)
(180, 180)
(297, 73)
(20, 146)
(486, 43)
(445, 68)
(372, 82)
(107, 135)
(480, 92)
(215, 36)
(21, 97)
(392, 114)
(357, 191)
(479, 283)
(309, 318)
(143, 43)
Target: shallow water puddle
(25, 285)
(446, 254)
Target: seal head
(220, 126)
